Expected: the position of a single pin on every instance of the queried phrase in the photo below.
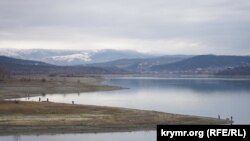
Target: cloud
(160, 26)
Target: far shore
(20, 117)
(30, 86)
(181, 76)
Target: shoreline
(168, 76)
(47, 117)
(23, 117)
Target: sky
(149, 26)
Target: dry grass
(35, 86)
(49, 117)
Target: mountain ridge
(141, 64)
(169, 64)
(212, 63)
(20, 66)
(71, 57)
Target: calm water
(204, 97)
(133, 136)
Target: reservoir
(192, 96)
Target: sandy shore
(47, 117)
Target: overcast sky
(152, 26)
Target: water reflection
(16, 138)
(199, 85)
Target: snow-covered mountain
(71, 57)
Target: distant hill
(20, 66)
(24, 66)
(245, 70)
(175, 64)
(141, 65)
(72, 57)
(204, 64)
